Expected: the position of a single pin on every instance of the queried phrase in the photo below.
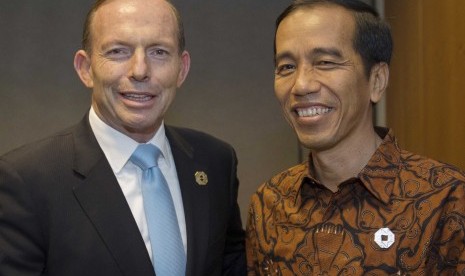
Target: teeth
(312, 111)
(137, 97)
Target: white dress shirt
(118, 148)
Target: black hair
(372, 38)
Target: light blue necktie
(165, 237)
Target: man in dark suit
(72, 204)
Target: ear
(379, 79)
(83, 68)
(185, 66)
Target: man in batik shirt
(360, 205)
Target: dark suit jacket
(63, 213)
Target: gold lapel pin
(201, 178)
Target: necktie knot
(146, 156)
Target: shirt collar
(119, 147)
(378, 176)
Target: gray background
(228, 93)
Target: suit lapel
(104, 203)
(195, 200)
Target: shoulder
(198, 140)
(286, 182)
(428, 167)
(429, 174)
(41, 153)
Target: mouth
(312, 111)
(137, 97)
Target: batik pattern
(298, 227)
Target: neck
(333, 166)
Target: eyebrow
(284, 55)
(327, 51)
(112, 43)
(319, 51)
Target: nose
(306, 81)
(139, 66)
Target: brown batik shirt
(403, 215)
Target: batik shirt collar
(383, 167)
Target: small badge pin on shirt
(201, 178)
(384, 238)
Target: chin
(138, 119)
(315, 142)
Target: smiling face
(134, 66)
(320, 80)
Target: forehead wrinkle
(308, 31)
(156, 14)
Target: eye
(159, 53)
(284, 69)
(326, 64)
(117, 53)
